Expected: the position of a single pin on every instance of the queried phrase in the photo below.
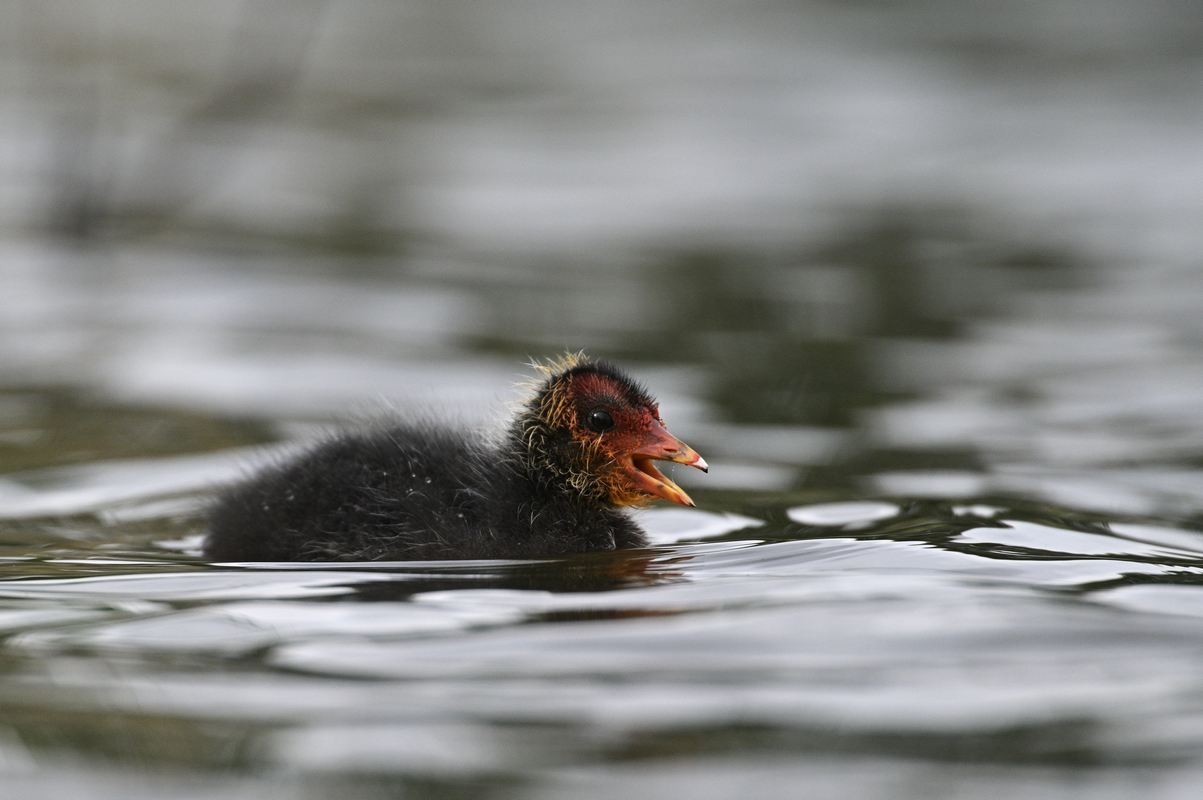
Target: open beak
(660, 445)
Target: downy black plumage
(580, 449)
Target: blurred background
(926, 251)
(971, 235)
(968, 236)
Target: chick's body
(406, 494)
(581, 447)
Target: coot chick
(579, 450)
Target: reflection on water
(928, 636)
(922, 284)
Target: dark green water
(922, 286)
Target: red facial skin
(628, 449)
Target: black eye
(600, 420)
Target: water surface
(922, 286)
